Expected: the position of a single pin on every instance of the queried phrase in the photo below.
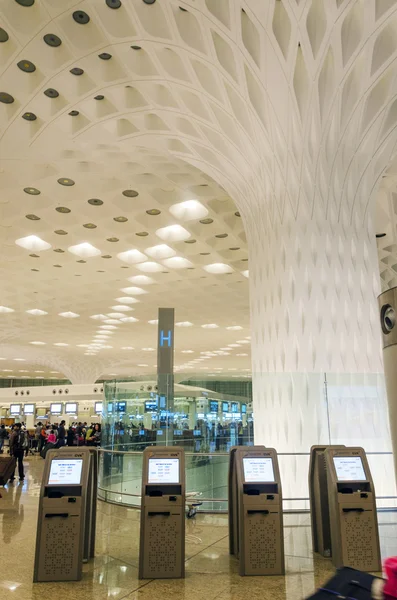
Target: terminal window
(349, 468)
(258, 469)
(163, 470)
(65, 471)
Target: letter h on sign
(165, 338)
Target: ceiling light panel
(173, 233)
(160, 251)
(37, 312)
(127, 300)
(6, 309)
(141, 280)
(150, 267)
(34, 243)
(189, 210)
(218, 268)
(84, 250)
(177, 262)
(134, 291)
(132, 257)
(68, 315)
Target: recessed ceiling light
(149, 1)
(52, 40)
(190, 241)
(142, 365)
(106, 256)
(107, 327)
(69, 315)
(32, 217)
(95, 202)
(105, 56)
(20, 359)
(187, 351)
(3, 35)
(120, 219)
(245, 273)
(31, 191)
(74, 113)
(66, 181)
(51, 93)
(236, 248)
(127, 300)
(37, 312)
(5, 309)
(210, 326)
(153, 212)
(134, 291)
(76, 71)
(153, 322)
(173, 233)
(160, 252)
(33, 242)
(218, 268)
(61, 344)
(206, 221)
(127, 348)
(148, 349)
(130, 193)
(111, 321)
(6, 98)
(58, 266)
(121, 307)
(27, 66)
(177, 262)
(63, 209)
(129, 320)
(59, 250)
(29, 116)
(84, 250)
(98, 317)
(112, 239)
(61, 232)
(184, 324)
(81, 17)
(188, 210)
(113, 3)
(150, 267)
(136, 47)
(221, 236)
(141, 280)
(132, 257)
(38, 343)
(242, 354)
(90, 225)
(234, 328)
(142, 234)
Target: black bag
(7, 468)
(20, 441)
(347, 583)
(47, 447)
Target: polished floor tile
(211, 573)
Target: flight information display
(163, 470)
(98, 407)
(65, 471)
(71, 408)
(28, 409)
(349, 468)
(258, 469)
(15, 409)
(56, 408)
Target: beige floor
(210, 572)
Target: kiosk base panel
(162, 555)
(60, 558)
(262, 550)
(359, 540)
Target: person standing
(61, 434)
(17, 448)
(3, 437)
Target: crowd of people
(78, 434)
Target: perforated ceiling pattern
(288, 106)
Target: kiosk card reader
(352, 505)
(66, 519)
(162, 540)
(257, 501)
(319, 507)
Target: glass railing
(120, 479)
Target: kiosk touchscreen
(63, 512)
(352, 506)
(255, 511)
(162, 540)
(319, 507)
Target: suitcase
(347, 583)
(7, 468)
(47, 447)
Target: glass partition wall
(208, 417)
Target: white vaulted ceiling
(247, 107)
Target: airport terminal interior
(198, 298)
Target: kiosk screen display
(98, 407)
(213, 406)
(28, 409)
(244, 409)
(15, 409)
(234, 406)
(225, 407)
(56, 408)
(259, 469)
(349, 468)
(65, 471)
(121, 407)
(150, 405)
(163, 470)
(71, 408)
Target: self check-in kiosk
(352, 506)
(67, 514)
(256, 512)
(319, 507)
(162, 539)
